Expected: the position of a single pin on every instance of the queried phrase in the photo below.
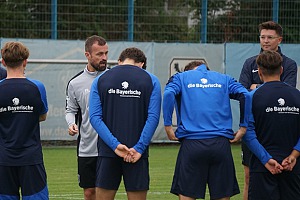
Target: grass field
(61, 166)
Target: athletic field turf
(61, 167)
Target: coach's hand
(73, 129)
(170, 133)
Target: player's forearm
(295, 154)
(70, 118)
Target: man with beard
(77, 114)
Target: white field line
(79, 195)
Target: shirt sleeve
(42, 90)
(152, 119)
(245, 76)
(238, 92)
(251, 141)
(297, 147)
(96, 117)
(72, 106)
(290, 73)
(171, 90)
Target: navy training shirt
(22, 101)
(124, 108)
(275, 122)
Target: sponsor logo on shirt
(16, 107)
(283, 109)
(125, 85)
(254, 70)
(204, 84)
(125, 91)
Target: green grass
(61, 167)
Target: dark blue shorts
(265, 186)
(30, 179)
(87, 171)
(246, 154)
(201, 162)
(111, 170)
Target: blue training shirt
(203, 103)
(22, 101)
(124, 108)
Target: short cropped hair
(135, 54)
(92, 40)
(271, 25)
(193, 64)
(14, 53)
(269, 62)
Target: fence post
(275, 10)
(54, 19)
(204, 22)
(130, 19)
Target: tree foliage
(154, 20)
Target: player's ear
(3, 62)
(260, 74)
(87, 54)
(144, 66)
(279, 40)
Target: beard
(101, 66)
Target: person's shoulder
(218, 74)
(289, 86)
(3, 73)
(2, 70)
(38, 83)
(35, 81)
(76, 76)
(152, 76)
(251, 59)
(288, 61)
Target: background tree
(154, 20)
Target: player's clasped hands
(289, 162)
(272, 165)
(287, 165)
(128, 154)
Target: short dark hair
(269, 62)
(14, 53)
(193, 64)
(92, 40)
(271, 25)
(135, 54)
